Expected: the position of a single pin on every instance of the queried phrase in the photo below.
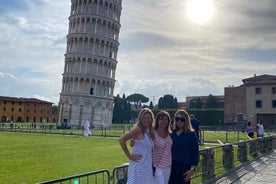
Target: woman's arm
(132, 134)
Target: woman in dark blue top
(185, 154)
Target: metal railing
(219, 159)
(119, 176)
(213, 162)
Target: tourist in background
(86, 129)
(260, 129)
(185, 153)
(162, 156)
(250, 130)
(140, 166)
(196, 126)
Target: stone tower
(90, 63)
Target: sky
(166, 47)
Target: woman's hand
(135, 158)
(187, 175)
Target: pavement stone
(261, 171)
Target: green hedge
(207, 117)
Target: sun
(200, 11)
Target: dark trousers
(177, 173)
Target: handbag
(153, 170)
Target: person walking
(185, 153)
(140, 166)
(162, 156)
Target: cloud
(160, 52)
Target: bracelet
(193, 168)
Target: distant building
(190, 99)
(254, 100)
(182, 105)
(25, 110)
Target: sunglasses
(180, 119)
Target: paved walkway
(261, 171)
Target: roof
(21, 99)
(265, 78)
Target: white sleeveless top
(141, 172)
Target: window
(19, 109)
(91, 91)
(258, 104)
(273, 103)
(4, 109)
(258, 91)
(273, 90)
(12, 109)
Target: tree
(137, 99)
(117, 109)
(122, 110)
(196, 104)
(192, 104)
(167, 102)
(151, 105)
(211, 102)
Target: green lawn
(225, 137)
(36, 157)
(30, 158)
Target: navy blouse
(185, 148)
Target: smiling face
(163, 121)
(147, 120)
(182, 121)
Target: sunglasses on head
(183, 119)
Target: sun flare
(200, 11)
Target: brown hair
(163, 113)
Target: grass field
(35, 157)
(30, 158)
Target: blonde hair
(163, 113)
(187, 124)
(140, 121)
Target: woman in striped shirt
(162, 157)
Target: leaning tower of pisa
(90, 63)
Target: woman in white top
(140, 166)
(162, 156)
